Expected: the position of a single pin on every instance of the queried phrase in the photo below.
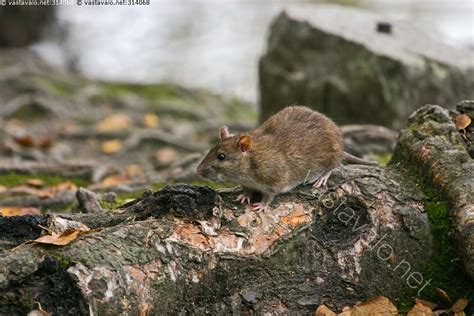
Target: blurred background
(209, 44)
(125, 98)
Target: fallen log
(190, 249)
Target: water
(209, 44)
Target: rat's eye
(221, 157)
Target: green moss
(444, 268)
(240, 111)
(158, 186)
(383, 159)
(64, 262)
(120, 199)
(61, 88)
(30, 112)
(150, 92)
(14, 179)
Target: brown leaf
(323, 310)
(420, 309)
(346, 311)
(133, 170)
(24, 189)
(44, 193)
(460, 305)
(443, 297)
(114, 122)
(426, 303)
(65, 186)
(58, 240)
(115, 180)
(462, 121)
(25, 141)
(151, 120)
(19, 211)
(37, 183)
(65, 238)
(111, 146)
(375, 306)
(44, 142)
(163, 157)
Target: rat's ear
(245, 142)
(224, 133)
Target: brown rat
(293, 146)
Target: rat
(296, 145)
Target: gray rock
(23, 25)
(350, 65)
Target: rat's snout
(200, 170)
(206, 172)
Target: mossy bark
(190, 249)
(432, 148)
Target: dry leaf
(346, 311)
(44, 193)
(111, 146)
(3, 188)
(65, 186)
(115, 180)
(323, 310)
(151, 120)
(64, 238)
(19, 211)
(44, 142)
(460, 305)
(443, 297)
(58, 240)
(164, 157)
(114, 122)
(426, 303)
(462, 121)
(420, 310)
(25, 141)
(15, 125)
(133, 170)
(28, 141)
(375, 306)
(37, 183)
(24, 189)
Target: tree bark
(189, 249)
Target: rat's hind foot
(321, 181)
(259, 207)
(242, 198)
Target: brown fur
(293, 146)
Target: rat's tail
(356, 160)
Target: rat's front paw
(243, 198)
(259, 207)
